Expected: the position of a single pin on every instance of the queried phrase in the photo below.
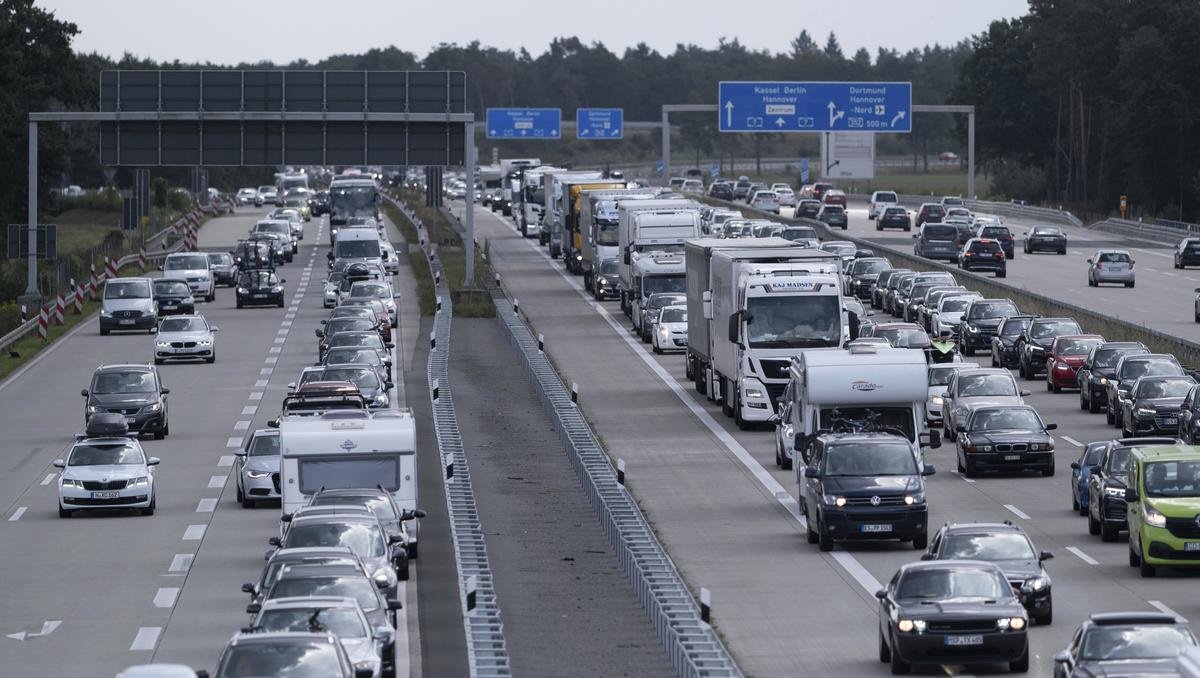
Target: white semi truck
(531, 201)
(599, 219)
(753, 305)
(512, 169)
(650, 239)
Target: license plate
(1171, 421)
(875, 528)
(1012, 457)
(126, 322)
(106, 495)
(965, 640)
(129, 421)
(1191, 546)
(168, 307)
(259, 296)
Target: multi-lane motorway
(728, 516)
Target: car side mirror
(165, 391)
(960, 428)
(1051, 427)
(1062, 657)
(394, 604)
(285, 518)
(915, 236)
(214, 329)
(59, 463)
(881, 594)
(810, 472)
(389, 345)
(929, 470)
(928, 556)
(1089, 261)
(291, 386)
(274, 541)
(84, 393)
(273, 423)
(945, 394)
(248, 587)
(389, 385)
(1045, 555)
(319, 333)
(283, 280)
(1131, 495)
(1075, 465)
(253, 608)
(1024, 393)
(774, 420)
(153, 461)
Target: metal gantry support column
(469, 282)
(971, 153)
(666, 146)
(31, 286)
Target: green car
(1163, 498)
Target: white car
(194, 267)
(939, 377)
(248, 196)
(107, 469)
(256, 467)
(329, 297)
(693, 186)
(294, 219)
(881, 200)
(185, 336)
(787, 197)
(365, 646)
(376, 289)
(946, 318)
(972, 388)
(766, 201)
(391, 263)
(669, 331)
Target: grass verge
(470, 301)
(416, 258)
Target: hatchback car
(1066, 355)
(135, 392)
(936, 241)
(373, 289)
(367, 648)
(1045, 239)
(1100, 366)
(193, 267)
(1111, 266)
(286, 654)
(128, 304)
(1000, 234)
(651, 308)
(971, 389)
(173, 296)
(939, 377)
(1129, 369)
(256, 467)
(893, 217)
(880, 201)
(930, 212)
(670, 329)
(185, 336)
(248, 196)
(807, 209)
(834, 196)
(364, 535)
(1187, 253)
(106, 469)
(834, 216)
(223, 267)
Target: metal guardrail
(1004, 209)
(693, 646)
(487, 653)
(1155, 231)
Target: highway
(728, 516)
(96, 593)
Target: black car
(390, 515)
(318, 204)
(808, 209)
(1045, 239)
(930, 213)
(919, 294)
(741, 189)
(862, 274)
(1004, 344)
(1005, 438)
(173, 297)
(1098, 368)
(259, 287)
(883, 284)
(951, 612)
(834, 216)
(248, 254)
(223, 267)
(1010, 548)
(1189, 417)
(1130, 368)
(606, 284)
(134, 391)
(336, 325)
(894, 217)
(1036, 340)
(1125, 644)
(1152, 407)
(864, 486)
(980, 322)
(981, 254)
(282, 246)
(721, 190)
(1002, 235)
(1106, 487)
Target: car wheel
(149, 510)
(958, 463)
(810, 532)
(158, 361)
(995, 363)
(1074, 502)
(1110, 417)
(1093, 406)
(160, 434)
(64, 513)
(919, 543)
(212, 296)
(1020, 664)
(655, 348)
(1146, 570)
(968, 470)
(1062, 251)
(211, 359)
(1108, 532)
(885, 655)
(1001, 274)
(1125, 433)
(968, 350)
(1093, 524)
(899, 666)
(240, 496)
(1011, 256)
(1129, 285)
(824, 540)
(1048, 472)
(411, 547)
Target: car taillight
(999, 255)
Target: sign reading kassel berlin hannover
(815, 106)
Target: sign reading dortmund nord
(815, 106)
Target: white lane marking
(17, 514)
(194, 532)
(282, 332)
(1072, 290)
(165, 597)
(276, 349)
(272, 360)
(225, 460)
(266, 371)
(48, 479)
(286, 323)
(1163, 608)
(216, 481)
(250, 409)
(181, 562)
(856, 570)
(290, 316)
(1157, 254)
(962, 477)
(146, 638)
(280, 340)
(261, 383)
(256, 395)
(206, 505)
(1154, 270)
(1017, 512)
(1071, 440)
(233, 442)
(1083, 556)
(1170, 274)
(242, 425)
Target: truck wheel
(726, 409)
(742, 424)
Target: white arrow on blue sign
(659, 167)
(524, 123)
(815, 106)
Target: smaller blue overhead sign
(524, 123)
(599, 123)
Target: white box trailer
(531, 201)
(348, 449)
(553, 214)
(647, 227)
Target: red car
(1066, 355)
(833, 196)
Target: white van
(357, 243)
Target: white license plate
(965, 640)
(126, 322)
(168, 307)
(106, 495)
(1191, 546)
(875, 528)
(1171, 421)
(129, 420)
(1012, 457)
(259, 296)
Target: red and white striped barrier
(110, 268)
(93, 285)
(76, 298)
(44, 323)
(60, 309)
(142, 258)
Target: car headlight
(276, 289)
(1143, 411)
(1122, 393)
(789, 431)
(972, 329)
(385, 574)
(243, 290)
(205, 342)
(664, 333)
(162, 344)
(1037, 583)
(71, 482)
(937, 400)
(92, 409)
(382, 400)
(915, 498)
(251, 473)
(1153, 517)
(138, 482)
(105, 314)
(834, 500)
(1014, 623)
(910, 625)
(365, 665)
(153, 407)
(1114, 491)
(1104, 381)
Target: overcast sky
(233, 31)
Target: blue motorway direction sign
(524, 123)
(599, 123)
(815, 106)
(804, 170)
(715, 170)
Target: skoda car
(106, 469)
(256, 467)
(185, 336)
(135, 392)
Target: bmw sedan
(185, 337)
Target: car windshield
(183, 325)
(904, 337)
(1007, 419)
(994, 232)
(974, 385)
(272, 227)
(285, 659)
(866, 266)
(885, 197)
(989, 247)
(349, 354)
(358, 588)
(220, 259)
(186, 262)
(348, 325)
(105, 455)
(833, 210)
(870, 459)
(363, 378)
(940, 376)
(793, 321)
(955, 305)
(1132, 369)
(361, 339)
(171, 288)
(994, 309)
(365, 540)
(1109, 357)
(942, 584)
(995, 546)
(610, 267)
(606, 234)
(673, 315)
(1164, 388)
(1118, 460)
(842, 248)
(854, 306)
(127, 289)
(264, 446)
(1135, 642)
(1045, 230)
(663, 283)
(128, 381)
(342, 622)
(1056, 328)
(368, 249)
(1077, 346)
(257, 278)
(658, 301)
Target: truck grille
(775, 391)
(775, 369)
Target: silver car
(363, 534)
(185, 336)
(343, 617)
(128, 304)
(1110, 266)
(106, 473)
(669, 331)
(193, 266)
(256, 467)
(329, 296)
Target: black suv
(1106, 486)
(1004, 344)
(980, 322)
(980, 254)
(1100, 366)
(1005, 545)
(1037, 339)
(1129, 369)
(134, 391)
(1002, 235)
(864, 486)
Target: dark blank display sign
(230, 117)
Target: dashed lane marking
(242, 425)
(250, 409)
(194, 532)
(181, 562)
(216, 481)
(207, 505)
(146, 638)
(256, 395)
(1071, 440)
(48, 479)
(1163, 608)
(1083, 556)
(225, 460)
(165, 597)
(17, 514)
(233, 442)
(1017, 512)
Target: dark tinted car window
(933, 232)
(990, 247)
